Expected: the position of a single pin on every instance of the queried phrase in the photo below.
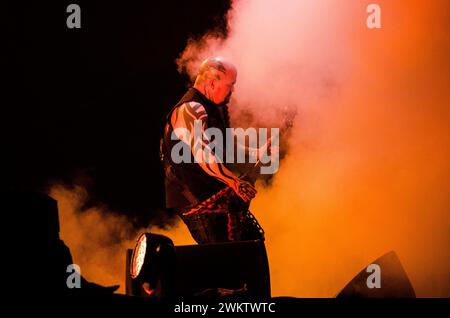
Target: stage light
(138, 256)
(152, 264)
(156, 268)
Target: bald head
(215, 79)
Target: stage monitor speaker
(392, 281)
(236, 266)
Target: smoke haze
(367, 169)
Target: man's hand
(243, 189)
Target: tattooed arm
(192, 118)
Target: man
(210, 199)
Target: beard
(227, 99)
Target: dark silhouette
(40, 259)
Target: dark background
(87, 106)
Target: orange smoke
(98, 239)
(368, 167)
